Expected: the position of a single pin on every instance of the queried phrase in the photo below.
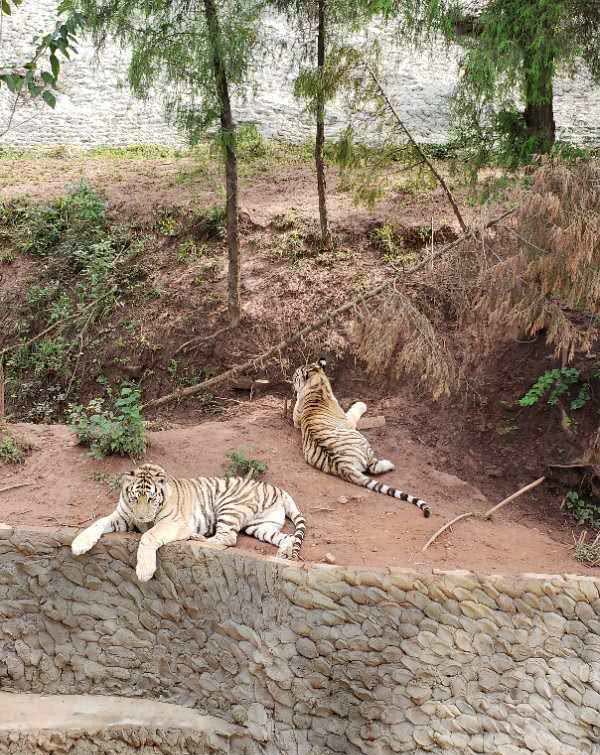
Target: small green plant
(10, 450)
(240, 465)
(557, 383)
(189, 250)
(582, 509)
(118, 430)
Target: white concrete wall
(95, 107)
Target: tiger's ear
(322, 362)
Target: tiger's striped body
(212, 509)
(330, 440)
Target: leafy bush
(10, 451)
(240, 465)
(78, 215)
(582, 509)
(118, 430)
(557, 383)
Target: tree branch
(425, 159)
(331, 315)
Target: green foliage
(111, 430)
(557, 383)
(512, 54)
(27, 77)
(241, 465)
(10, 450)
(582, 509)
(181, 60)
(135, 152)
(79, 215)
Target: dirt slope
(356, 526)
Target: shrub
(118, 430)
(240, 465)
(10, 451)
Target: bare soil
(355, 526)
(463, 454)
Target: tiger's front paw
(83, 543)
(146, 566)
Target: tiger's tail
(358, 478)
(294, 514)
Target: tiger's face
(303, 374)
(145, 490)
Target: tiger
(166, 509)
(330, 440)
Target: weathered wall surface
(95, 107)
(319, 660)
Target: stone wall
(95, 108)
(310, 660)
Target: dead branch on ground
(487, 515)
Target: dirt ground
(355, 526)
(452, 452)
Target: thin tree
(325, 59)
(197, 51)
(514, 49)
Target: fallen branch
(198, 340)
(487, 515)
(447, 526)
(424, 158)
(18, 485)
(315, 325)
(80, 352)
(58, 323)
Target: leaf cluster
(28, 76)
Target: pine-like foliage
(552, 283)
(172, 50)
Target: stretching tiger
(166, 509)
(330, 440)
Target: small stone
(342, 499)
(329, 558)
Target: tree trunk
(320, 137)
(231, 178)
(539, 112)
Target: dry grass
(394, 337)
(551, 284)
(588, 553)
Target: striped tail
(294, 514)
(380, 487)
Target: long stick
(539, 481)
(17, 485)
(459, 217)
(486, 515)
(333, 313)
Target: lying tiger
(166, 509)
(330, 440)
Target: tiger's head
(307, 371)
(144, 490)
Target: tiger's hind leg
(379, 466)
(268, 529)
(355, 412)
